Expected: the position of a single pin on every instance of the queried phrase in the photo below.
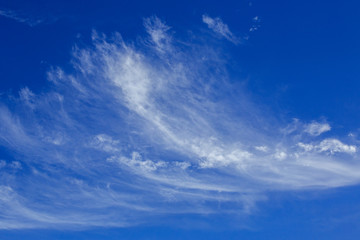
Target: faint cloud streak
(220, 28)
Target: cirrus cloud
(137, 130)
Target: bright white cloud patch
(138, 129)
(334, 145)
(217, 25)
(315, 128)
(329, 145)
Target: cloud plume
(151, 128)
(220, 28)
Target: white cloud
(315, 128)
(134, 126)
(158, 32)
(280, 155)
(334, 145)
(105, 143)
(330, 145)
(27, 96)
(306, 147)
(217, 25)
(136, 161)
(262, 148)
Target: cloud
(158, 32)
(150, 128)
(24, 18)
(329, 145)
(315, 128)
(220, 28)
(334, 145)
(255, 24)
(262, 148)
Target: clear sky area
(180, 119)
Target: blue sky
(179, 120)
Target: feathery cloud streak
(220, 28)
(153, 128)
(21, 18)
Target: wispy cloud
(220, 28)
(22, 17)
(255, 24)
(138, 129)
(315, 128)
(158, 32)
(329, 145)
